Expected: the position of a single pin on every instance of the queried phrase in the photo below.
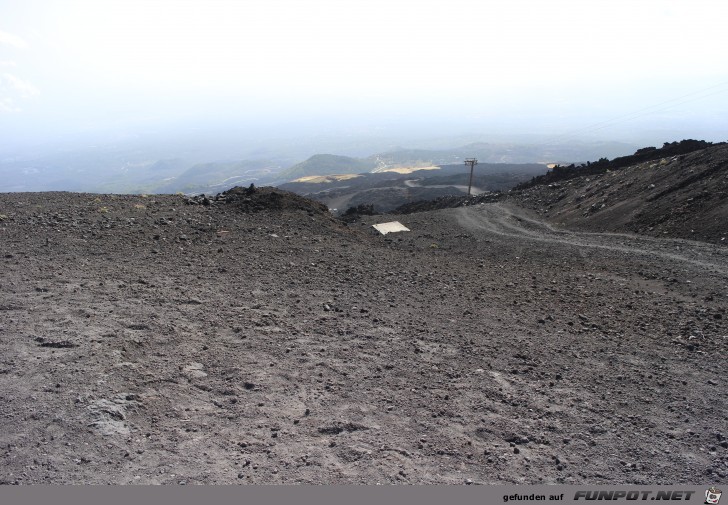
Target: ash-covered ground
(146, 340)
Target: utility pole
(472, 162)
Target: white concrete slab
(391, 227)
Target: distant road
(412, 183)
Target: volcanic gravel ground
(143, 340)
(682, 196)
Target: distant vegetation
(561, 173)
(328, 164)
(385, 191)
(506, 155)
(216, 176)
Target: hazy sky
(556, 66)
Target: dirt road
(510, 221)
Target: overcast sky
(534, 66)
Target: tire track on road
(512, 222)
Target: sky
(567, 68)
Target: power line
(472, 162)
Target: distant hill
(510, 153)
(218, 176)
(328, 164)
(388, 190)
(153, 166)
(496, 153)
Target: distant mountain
(148, 167)
(506, 153)
(173, 165)
(141, 177)
(328, 164)
(388, 190)
(218, 176)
